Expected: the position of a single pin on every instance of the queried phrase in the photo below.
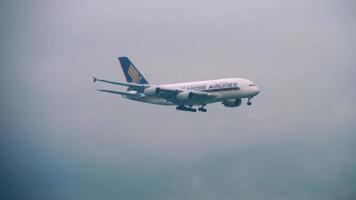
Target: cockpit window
(251, 85)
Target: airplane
(185, 96)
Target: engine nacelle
(185, 96)
(152, 91)
(232, 102)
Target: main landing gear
(190, 109)
(183, 108)
(202, 109)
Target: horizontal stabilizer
(130, 95)
(133, 86)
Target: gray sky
(62, 140)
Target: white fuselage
(223, 89)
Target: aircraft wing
(172, 95)
(130, 95)
(202, 95)
(168, 94)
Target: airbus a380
(185, 96)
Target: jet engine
(232, 102)
(185, 96)
(152, 91)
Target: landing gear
(249, 102)
(202, 109)
(183, 108)
(190, 109)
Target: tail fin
(131, 73)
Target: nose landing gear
(249, 102)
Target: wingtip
(94, 79)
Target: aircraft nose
(256, 91)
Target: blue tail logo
(132, 75)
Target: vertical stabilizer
(132, 75)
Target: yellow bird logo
(134, 74)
